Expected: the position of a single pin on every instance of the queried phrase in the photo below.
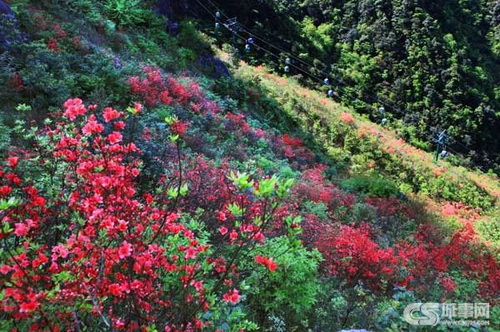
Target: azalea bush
(85, 247)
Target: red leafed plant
(155, 88)
(351, 255)
(84, 246)
(427, 261)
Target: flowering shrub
(346, 118)
(293, 149)
(351, 255)
(426, 261)
(313, 186)
(84, 247)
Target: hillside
(151, 180)
(412, 169)
(431, 65)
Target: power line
(342, 86)
(372, 97)
(296, 58)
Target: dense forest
(433, 65)
(164, 168)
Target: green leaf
(184, 189)
(266, 187)
(241, 180)
(169, 120)
(7, 204)
(235, 209)
(173, 193)
(284, 188)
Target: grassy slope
(329, 111)
(320, 104)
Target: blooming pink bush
(85, 246)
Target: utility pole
(441, 141)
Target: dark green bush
(373, 186)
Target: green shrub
(191, 39)
(373, 186)
(125, 12)
(289, 293)
(4, 136)
(489, 229)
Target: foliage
(210, 202)
(353, 256)
(125, 12)
(371, 186)
(99, 253)
(490, 230)
(4, 136)
(432, 65)
(291, 291)
(363, 150)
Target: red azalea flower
(12, 161)
(178, 127)
(21, 229)
(27, 307)
(138, 107)
(59, 251)
(74, 107)
(4, 269)
(122, 225)
(92, 126)
(272, 265)
(190, 253)
(53, 45)
(125, 250)
(115, 137)
(5, 190)
(221, 216)
(115, 289)
(223, 230)
(38, 201)
(110, 114)
(232, 296)
(267, 262)
(233, 235)
(165, 97)
(119, 125)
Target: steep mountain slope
(152, 182)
